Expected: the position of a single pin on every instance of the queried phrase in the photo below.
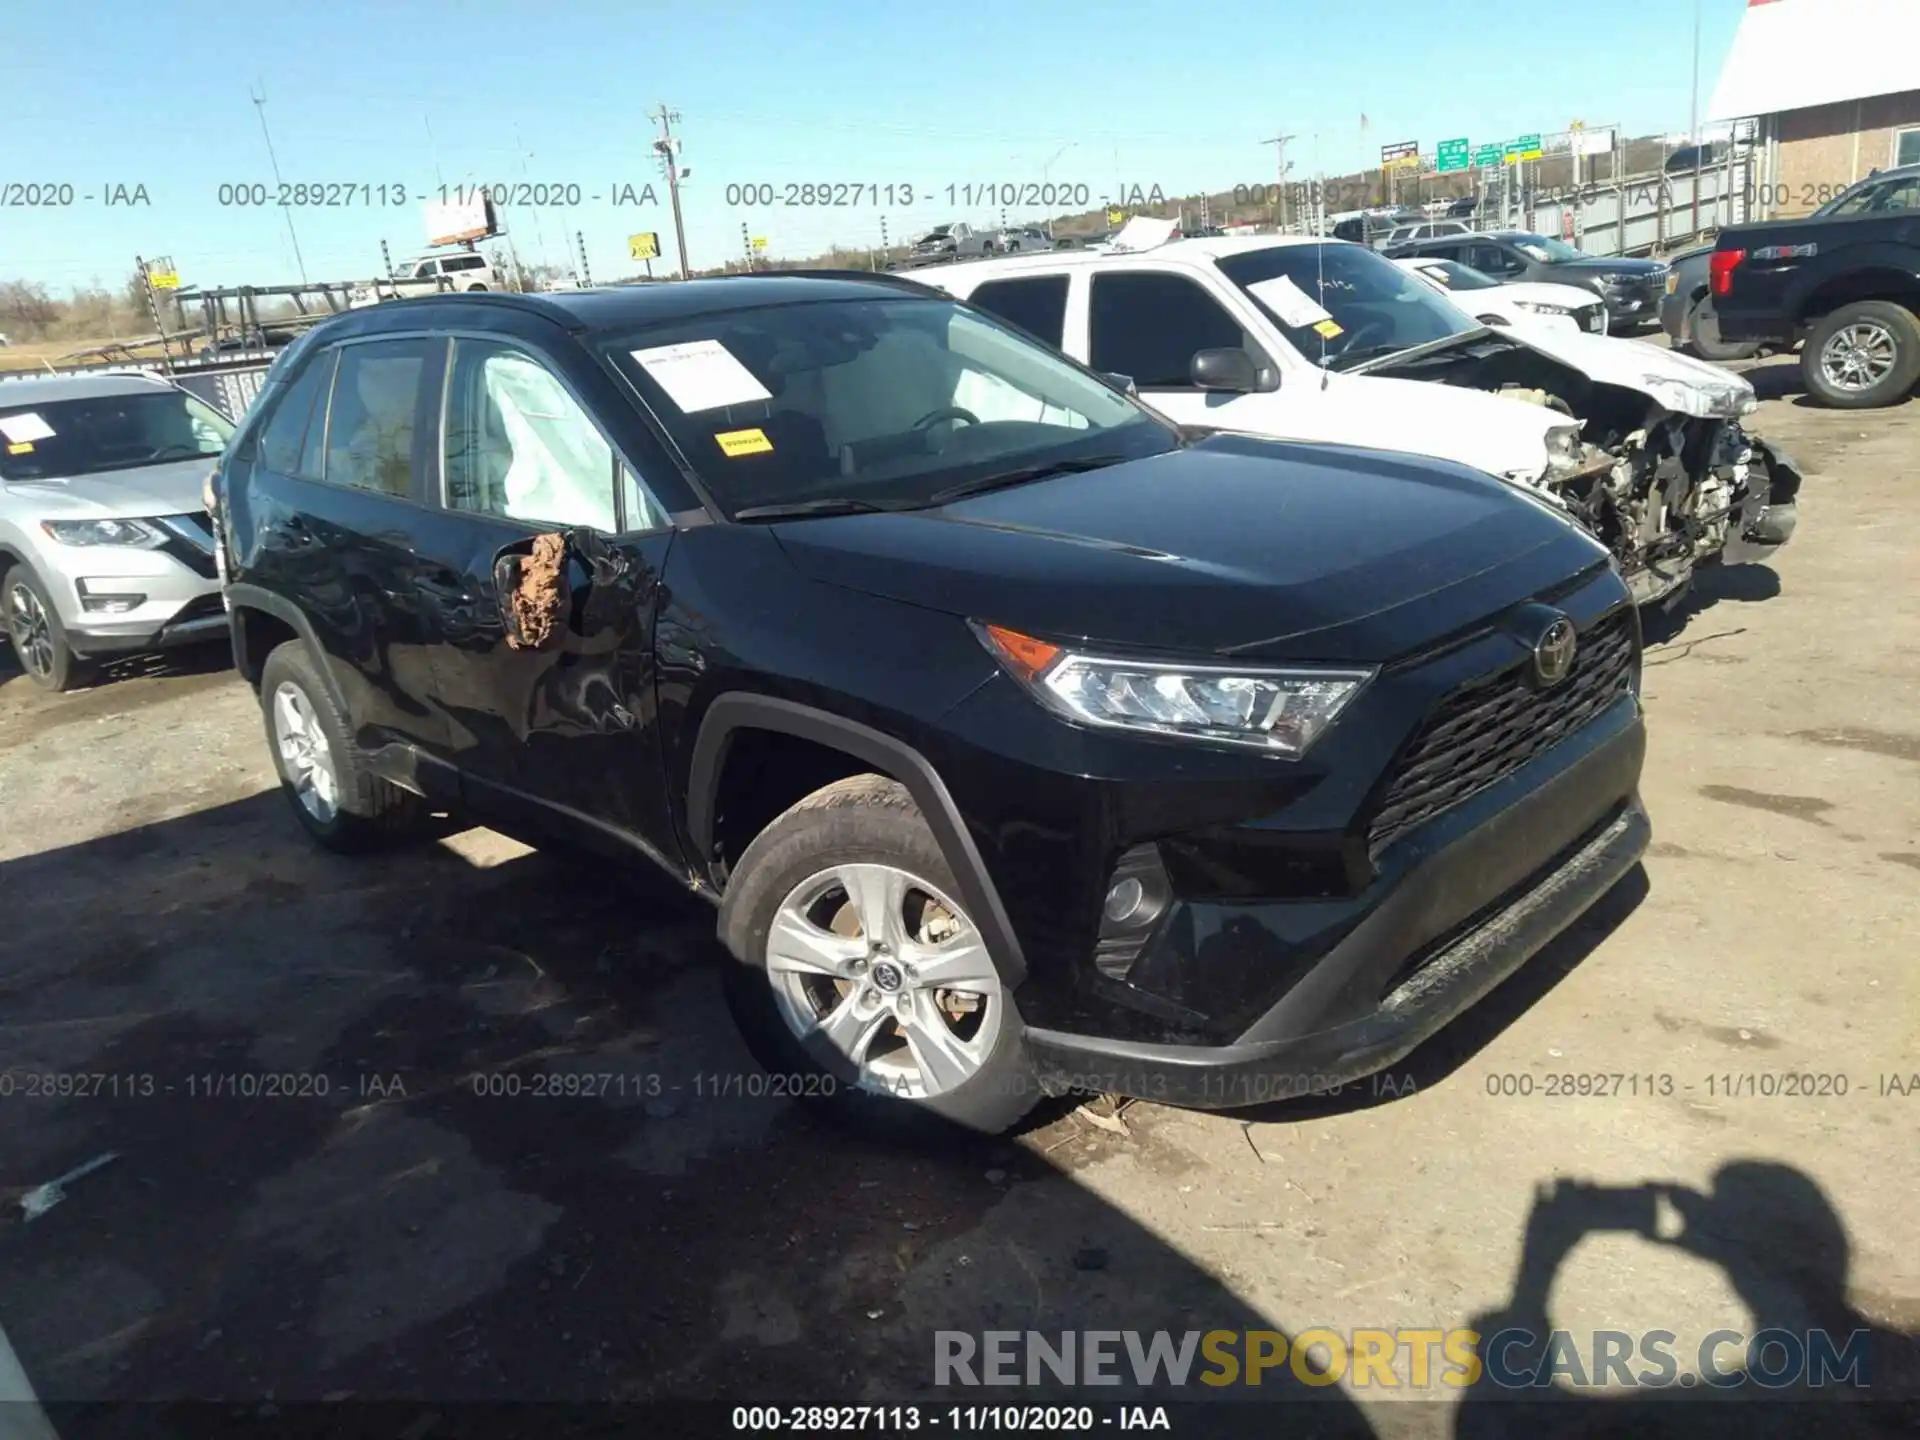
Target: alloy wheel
(1858, 357)
(876, 970)
(32, 633)
(305, 755)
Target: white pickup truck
(1329, 342)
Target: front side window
(1149, 325)
(1037, 304)
(1340, 305)
(872, 403)
(518, 445)
(92, 434)
(371, 422)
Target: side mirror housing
(1232, 370)
(1121, 382)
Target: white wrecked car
(1326, 341)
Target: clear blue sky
(417, 93)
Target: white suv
(1328, 341)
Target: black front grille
(1485, 732)
(190, 541)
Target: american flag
(1364, 122)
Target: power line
(260, 108)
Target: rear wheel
(859, 972)
(40, 641)
(337, 800)
(1862, 356)
(1703, 337)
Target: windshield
(1455, 276)
(880, 403)
(1546, 248)
(1341, 304)
(1875, 197)
(61, 438)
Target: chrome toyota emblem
(887, 977)
(1553, 652)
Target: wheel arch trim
(252, 597)
(731, 713)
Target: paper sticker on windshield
(1287, 300)
(1328, 329)
(24, 429)
(701, 375)
(744, 442)
(20, 447)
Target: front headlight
(1538, 308)
(136, 533)
(1278, 711)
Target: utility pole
(1279, 143)
(667, 147)
(586, 276)
(260, 108)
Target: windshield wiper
(820, 505)
(187, 452)
(1006, 478)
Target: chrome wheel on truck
(1863, 355)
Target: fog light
(1126, 897)
(1137, 896)
(108, 602)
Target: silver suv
(104, 540)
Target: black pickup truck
(1845, 280)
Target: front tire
(40, 641)
(1863, 356)
(338, 801)
(857, 972)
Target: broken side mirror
(1232, 370)
(534, 593)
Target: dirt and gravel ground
(399, 1223)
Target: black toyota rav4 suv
(1024, 741)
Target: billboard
(467, 216)
(1401, 155)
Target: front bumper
(176, 587)
(1486, 888)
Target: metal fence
(1643, 213)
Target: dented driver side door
(543, 565)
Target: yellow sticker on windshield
(744, 442)
(1328, 329)
(25, 447)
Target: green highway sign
(1526, 147)
(1451, 155)
(1488, 155)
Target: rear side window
(285, 434)
(1037, 304)
(376, 404)
(463, 262)
(1150, 325)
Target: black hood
(1232, 545)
